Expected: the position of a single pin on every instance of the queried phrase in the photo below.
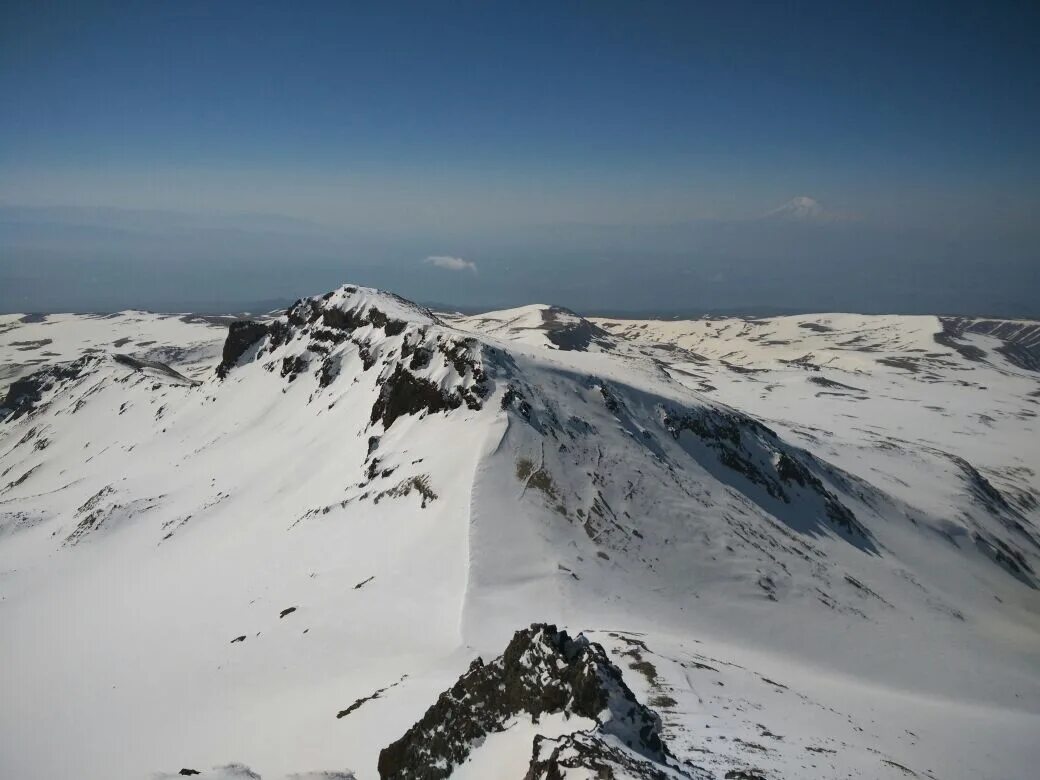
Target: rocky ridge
(542, 671)
(424, 366)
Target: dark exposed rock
(140, 365)
(293, 366)
(322, 323)
(1020, 339)
(714, 425)
(824, 382)
(541, 671)
(419, 484)
(367, 358)
(358, 703)
(790, 470)
(404, 393)
(303, 312)
(242, 334)
(732, 459)
(896, 765)
(377, 318)
(342, 319)
(588, 755)
(458, 355)
(328, 372)
(373, 469)
(568, 331)
(24, 394)
(753, 450)
(420, 358)
(188, 772)
(1004, 552)
(95, 512)
(804, 362)
(1006, 556)
(394, 327)
(514, 399)
(742, 369)
(390, 326)
(338, 319)
(815, 327)
(949, 337)
(330, 336)
(980, 487)
(904, 363)
(30, 346)
(287, 611)
(278, 333)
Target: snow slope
(30, 341)
(809, 543)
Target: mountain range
(361, 538)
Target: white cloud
(448, 263)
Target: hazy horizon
(669, 158)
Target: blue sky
(452, 128)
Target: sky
(601, 155)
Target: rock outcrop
(426, 366)
(542, 671)
(26, 393)
(242, 334)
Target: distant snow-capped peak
(801, 207)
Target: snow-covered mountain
(801, 208)
(781, 548)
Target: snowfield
(362, 539)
